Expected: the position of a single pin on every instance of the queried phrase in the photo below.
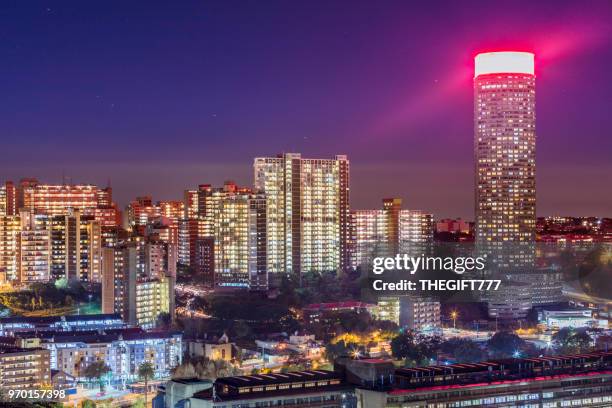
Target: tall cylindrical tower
(504, 148)
(505, 138)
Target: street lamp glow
(504, 62)
(454, 314)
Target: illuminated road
(572, 292)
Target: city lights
(306, 200)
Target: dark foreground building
(581, 380)
(311, 388)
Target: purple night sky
(160, 97)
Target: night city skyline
(159, 101)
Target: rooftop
(338, 305)
(484, 365)
(193, 380)
(278, 378)
(55, 319)
(5, 349)
(504, 62)
(97, 336)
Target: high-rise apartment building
(140, 297)
(141, 211)
(415, 232)
(2, 200)
(504, 144)
(107, 213)
(8, 199)
(240, 256)
(226, 245)
(138, 279)
(53, 200)
(57, 199)
(187, 240)
(171, 210)
(190, 204)
(204, 263)
(107, 266)
(388, 231)
(25, 248)
(369, 236)
(10, 230)
(307, 212)
(104, 197)
(76, 243)
(34, 248)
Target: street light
(454, 314)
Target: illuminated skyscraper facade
(2, 201)
(56, 199)
(139, 293)
(240, 242)
(34, 248)
(307, 212)
(505, 147)
(231, 237)
(505, 142)
(141, 211)
(389, 231)
(415, 232)
(76, 244)
(190, 204)
(369, 236)
(10, 229)
(8, 199)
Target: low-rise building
(11, 325)
(410, 313)
(176, 392)
(24, 369)
(317, 312)
(583, 380)
(565, 318)
(314, 388)
(221, 350)
(122, 350)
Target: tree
(198, 303)
(342, 349)
(569, 341)
(88, 404)
(146, 372)
(164, 320)
(415, 350)
(505, 344)
(68, 300)
(96, 370)
(463, 350)
(241, 329)
(204, 368)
